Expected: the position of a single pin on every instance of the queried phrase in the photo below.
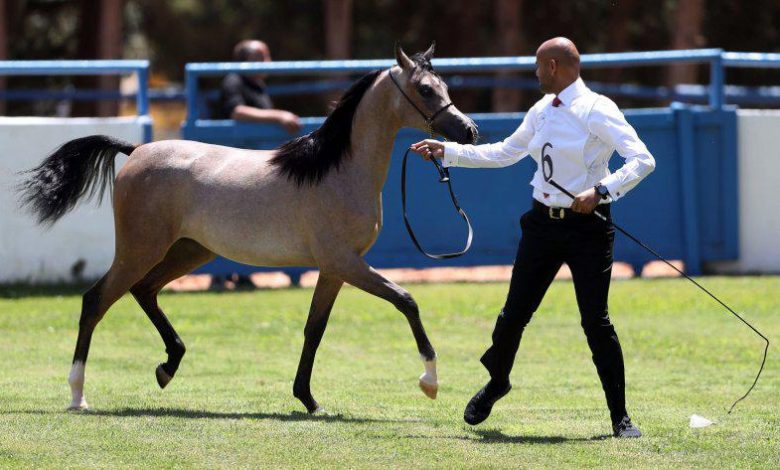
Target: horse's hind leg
(182, 258)
(358, 273)
(125, 271)
(321, 304)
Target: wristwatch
(602, 191)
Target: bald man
(571, 134)
(244, 97)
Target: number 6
(547, 162)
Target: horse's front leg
(358, 273)
(321, 304)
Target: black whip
(643, 245)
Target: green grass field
(231, 402)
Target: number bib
(558, 146)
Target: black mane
(309, 158)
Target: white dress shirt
(578, 137)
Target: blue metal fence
(687, 208)
(90, 67)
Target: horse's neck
(373, 135)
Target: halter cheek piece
(444, 177)
(444, 174)
(428, 120)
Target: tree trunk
(338, 37)
(687, 34)
(510, 43)
(618, 36)
(109, 47)
(338, 29)
(100, 37)
(461, 23)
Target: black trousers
(585, 243)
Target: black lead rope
(444, 177)
(643, 245)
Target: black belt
(563, 212)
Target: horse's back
(230, 200)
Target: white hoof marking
(76, 381)
(429, 382)
(80, 405)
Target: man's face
(259, 54)
(545, 72)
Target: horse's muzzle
(458, 128)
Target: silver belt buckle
(561, 213)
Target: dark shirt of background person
(244, 97)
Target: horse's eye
(426, 91)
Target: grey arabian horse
(315, 201)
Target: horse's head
(427, 102)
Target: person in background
(244, 97)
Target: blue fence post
(683, 117)
(142, 100)
(191, 85)
(717, 81)
(730, 183)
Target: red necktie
(556, 102)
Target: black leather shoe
(625, 429)
(481, 404)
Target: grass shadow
(203, 414)
(494, 436)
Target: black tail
(80, 167)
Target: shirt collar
(572, 92)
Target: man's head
(251, 50)
(557, 64)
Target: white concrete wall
(29, 252)
(759, 193)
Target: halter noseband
(428, 120)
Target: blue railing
(714, 57)
(692, 93)
(90, 67)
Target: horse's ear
(403, 60)
(428, 55)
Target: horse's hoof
(78, 405)
(318, 411)
(428, 388)
(162, 377)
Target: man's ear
(403, 60)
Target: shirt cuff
(451, 154)
(612, 183)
